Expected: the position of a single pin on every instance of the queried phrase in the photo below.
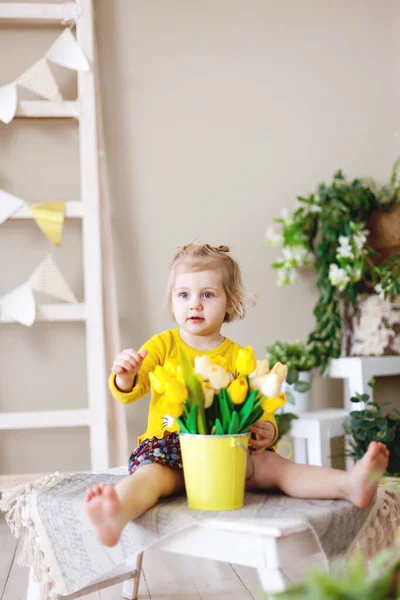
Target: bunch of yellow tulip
(207, 400)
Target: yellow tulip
(156, 384)
(174, 409)
(176, 392)
(238, 390)
(246, 361)
(159, 378)
(270, 405)
(171, 367)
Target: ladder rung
(41, 419)
(54, 312)
(39, 12)
(45, 109)
(73, 210)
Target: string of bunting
(19, 303)
(49, 216)
(65, 51)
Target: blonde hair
(199, 257)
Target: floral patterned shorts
(165, 451)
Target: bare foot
(104, 511)
(363, 478)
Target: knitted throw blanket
(60, 545)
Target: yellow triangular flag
(49, 217)
(39, 80)
(47, 279)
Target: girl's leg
(308, 481)
(110, 508)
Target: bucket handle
(249, 456)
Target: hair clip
(223, 248)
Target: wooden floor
(165, 577)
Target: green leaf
(182, 426)
(302, 386)
(289, 397)
(225, 412)
(247, 407)
(219, 430)
(292, 375)
(234, 423)
(196, 396)
(191, 422)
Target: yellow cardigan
(161, 347)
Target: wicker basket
(384, 228)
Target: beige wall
(217, 114)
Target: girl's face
(199, 302)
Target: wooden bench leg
(131, 586)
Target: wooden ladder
(99, 310)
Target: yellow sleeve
(270, 418)
(156, 352)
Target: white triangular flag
(47, 279)
(39, 79)
(8, 205)
(8, 102)
(67, 52)
(20, 304)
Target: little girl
(205, 291)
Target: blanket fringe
(381, 531)
(14, 505)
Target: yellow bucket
(214, 467)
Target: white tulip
(271, 385)
(202, 366)
(208, 392)
(261, 369)
(218, 377)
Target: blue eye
(184, 295)
(208, 294)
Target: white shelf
(54, 312)
(61, 13)
(45, 419)
(45, 109)
(73, 210)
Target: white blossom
(273, 238)
(286, 276)
(379, 290)
(344, 249)
(338, 277)
(354, 273)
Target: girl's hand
(264, 433)
(126, 366)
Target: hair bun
(223, 248)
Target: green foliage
(327, 231)
(298, 358)
(350, 580)
(372, 424)
(284, 423)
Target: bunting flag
(66, 52)
(47, 279)
(49, 217)
(39, 80)
(19, 304)
(8, 205)
(8, 102)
